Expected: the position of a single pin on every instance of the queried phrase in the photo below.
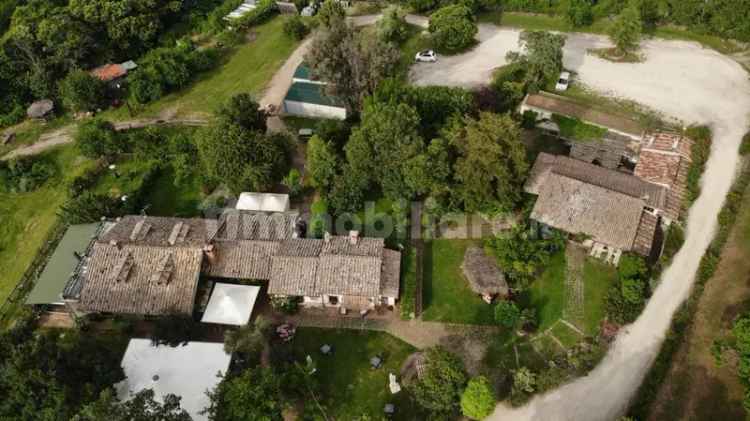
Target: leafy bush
(524, 385)
(16, 114)
(478, 400)
(420, 6)
(88, 207)
(580, 13)
(453, 28)
(528, 119)
(295, 28)
(97, 138)
(701, 148)
(293, 182)
(439, 389)
(86, 180)
(522, 253)
(25, 174)
(286, 304)
(392, 27)
(626, 297)
(507, 314)
(80, 91)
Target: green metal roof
(62, 264)
(311, 93)
(302, 72)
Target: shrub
(439, 389)
(528, 119)
(97, 138)
(507, 314)
(286, 304)
(478, 400)
(293, 181)
(295, 28)
(80, 91)
(453, 28)
(331, 13)
(25, 174)
(745, 145)
(264, 9)
(422, 5)
(16, 114)
(88, 207)
(579, 13)
(701, 136)
(392, 27)
(524, 385)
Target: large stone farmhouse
(152, 265)
(613, 208)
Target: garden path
(573, 312)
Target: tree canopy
(626, 30)
(80, 91)
(478, 400)
(439, 389)
(453, 28)
(491, 165)
(542, 57)
(142, 406)
(255, 394)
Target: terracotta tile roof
(391, 273)
(247, 225)
(644, 237)
(161, 231)
(242, 259)
(575, 206)
(627, 184)
(145, 280)
(665, 160)
(109, 72)
(565, 106)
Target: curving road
(686, 82)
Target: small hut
(40, 109)
(484, 277)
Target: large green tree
(491, 165)
(541, 57)
(379, 149)
(353, 62)
(80, 91)
(453, 28)
(243, 110)
(243, 159)
(97, 137)
(626, 30)
(439, 389)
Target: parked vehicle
(563, 82)
(426, 55)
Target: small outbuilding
(308, 99)
(40, 109)
(231, 304)
(484, 277)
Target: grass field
(598, 277)
(350, 387)
(248, 69)
(447, 296)
(26, 218)
(547, 293)
(558, 23)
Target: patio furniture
(393, 384)
(389, 409)
(326, 349)
(376, 362)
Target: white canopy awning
(231, 304)
(185, 371)
(263, 202)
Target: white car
(426, 55)
(563, 82)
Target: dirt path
(696, 388)
(64, 135)
(686, 82)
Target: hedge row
(683, 319)
(701, 136)
(264, 9)
(409, 287)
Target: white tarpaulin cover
(186, 371)
(231, 304)
(264, 202)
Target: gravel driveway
(685, 82)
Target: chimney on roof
(116, 244)
(210, 252)
(353, 237)
(327, 237)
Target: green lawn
(26, 218)
(447, 296)
(558, 23)
(565, 334)
(248, 69)
(29, 131)
(547, 293)
(350, 387)
(598, 277)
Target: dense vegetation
(728, 18)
